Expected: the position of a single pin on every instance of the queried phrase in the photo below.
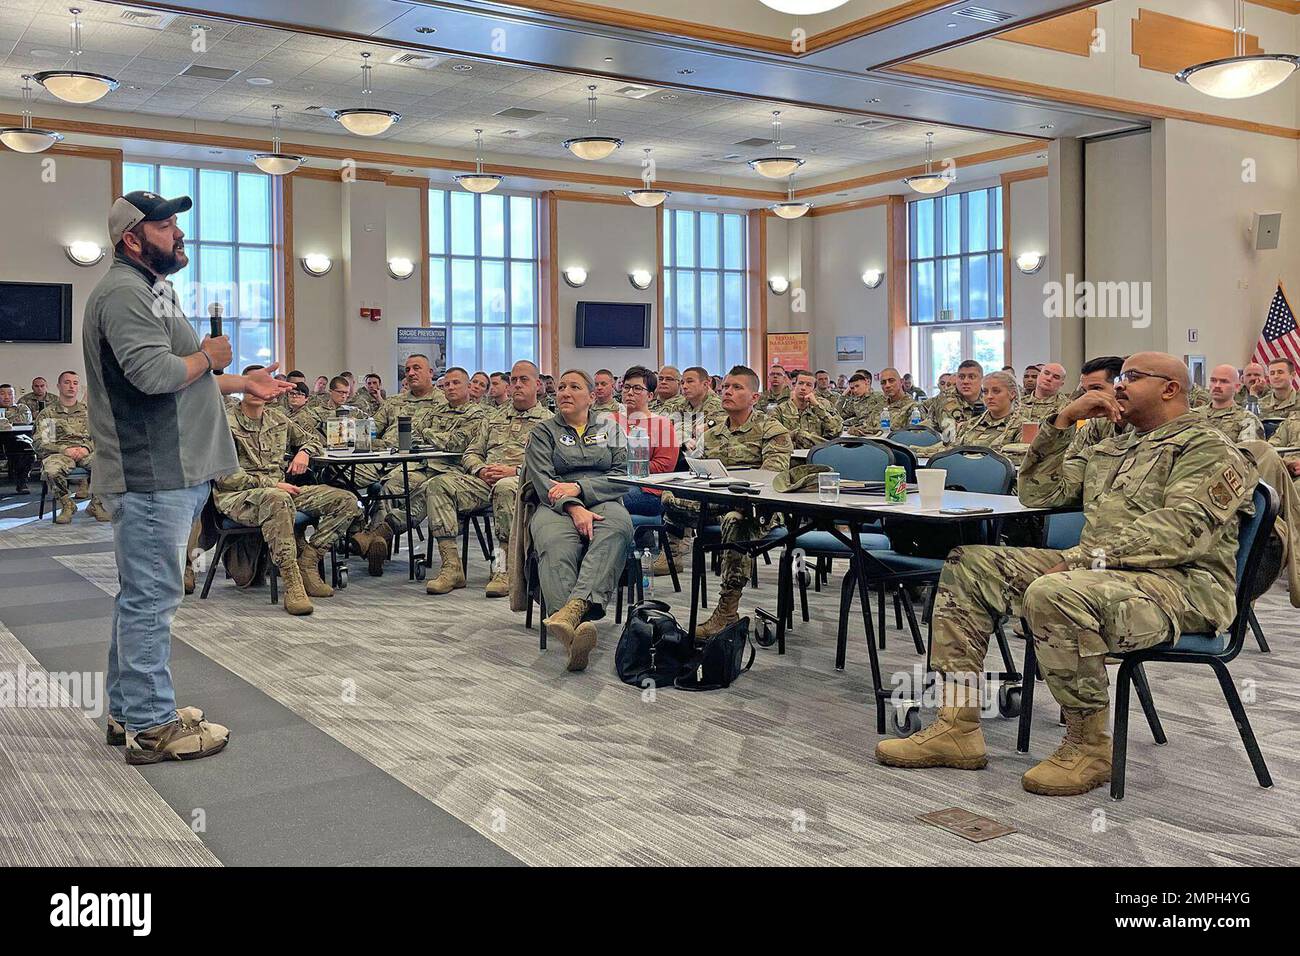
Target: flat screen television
(613, 325)
(35, 312)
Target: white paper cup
(930, 482)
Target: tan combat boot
(185, 738)
(953, 740)
(681, 550)
(67, 508)
(97, 510)
(567, 625)
(725, 613)
(451, 575)
(83, 491)
(499, 585)
(309, 566)
(115, 735)
(1081, 763)
(360, 541)
(381, 546)
(296, 601)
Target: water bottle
(1252, 405)
(886, 422)
(647, 562)
(916, 416)
(638, 456)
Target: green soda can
(896, 484)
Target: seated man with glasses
(1157, 558)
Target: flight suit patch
(1221, 496)
(567, 440)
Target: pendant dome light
(647, 197)
(790, 209)
(1243, 74)
(804, 8)
(929, 182)
(479, 181)
(76, 86)
(25, 138)
(366, 120)
(275, 162)
(592, 147)
(774, 166)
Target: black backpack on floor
(653, 646)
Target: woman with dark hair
(639, 384)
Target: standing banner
(787, 349)
(421, 340)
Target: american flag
(1280, 338)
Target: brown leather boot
(565, 625)
(1081, 763)
(953, 740)
(725, 613)
(360, 541)
(97, 510)
(67, 508)
(499, 585)
(189, 579)
(451, 575)
(309, 565)
(381, 546)
(296, 601)
(681, 550)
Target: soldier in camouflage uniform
(944, 413)
(1232, 420)
(824, 391)
(667, 390)
(1047, 396)
(1157, 558)
(488, 473)
(603, 401)
(778, 389)
(810, 422)
(368, 398)
(1288, 436)
(859, 404)
(893, 398)
(693, 412)
(1282, 400)
(259, 495)
(747, 438)
(1254, 384)
(302, 414)
(38, 399)
(999, 425)
(19, 450)
(63, 441)
(1199, 397)
(445, 427)
(1097, 375)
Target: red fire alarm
(365, 311)
(375, 314)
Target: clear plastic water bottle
(638, 453)
(916, 416)
(1252, 405)
(647, 562)
(886, 422)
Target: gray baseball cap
(141, 206)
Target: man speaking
(161, 437)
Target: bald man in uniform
(1156, 559)
(1047, 397)
(1236, 423)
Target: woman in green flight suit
(581, 530)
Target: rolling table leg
(860, 569)
(410, 531)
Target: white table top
(807, 501)
(19, 429)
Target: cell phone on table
(965, 511)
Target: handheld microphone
(214, 314)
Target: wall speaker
(1265, 229)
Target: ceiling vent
(635, 92)
(518, 112)
(148, 19)
(209, 73)
(873, 124)
(419, 61)
(983, 14)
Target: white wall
(846, 244)
(609, 241)
(1030, 332)
(41, 218)
(318, 300)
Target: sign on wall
(850, 348)
(421, 340)
(787, 349)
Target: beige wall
(318, 319)
(40, 219)
(846, 244)
(1030, 333)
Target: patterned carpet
(452, 697)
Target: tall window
(955, 248)
(483, 277)
(229, 240)
(705, 314)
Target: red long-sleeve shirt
(663, 442)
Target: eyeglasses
(1134, 375)
(635, 388)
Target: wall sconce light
(400, 268)
(778, 284)
(640, 279)
(1030, 262)
(575, 276)
(872, 278)
(84, 253)
(316, 264)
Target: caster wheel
(343, 578)
(419, 572)
(1009, 700)
(805, 577)
(906, 720)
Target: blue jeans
(151, 531)
(641, 502)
